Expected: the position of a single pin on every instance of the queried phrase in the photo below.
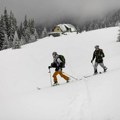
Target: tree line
(12, 35)
(112, 19)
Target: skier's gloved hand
(91, 61)
(49, 67)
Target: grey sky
(50, 10)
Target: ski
(59, 84)
(86, 76)
(53, 85)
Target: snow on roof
(64, 27)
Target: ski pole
(71, 76)
(50, 77)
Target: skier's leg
(95, 68)
(63, 76)
(55, 76)
(103, 66)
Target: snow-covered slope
(93, 98)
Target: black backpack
(62, 58)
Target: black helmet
(54, 53)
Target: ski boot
(105, 69)
(95, 72)
(68, 80)
(55, 83)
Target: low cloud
(50, 10)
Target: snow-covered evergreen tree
(22, 39)
(44, 33)
(2, 36)
(6, 23)
(13, 28)
(34, 35)
(2, 22)
(32, 26)
(118, 39)
(6, 42)
(21, 34)
(25, 23)
(26, 31)
(78, 29)
(16, 41)
(27, 35)
(32, 29)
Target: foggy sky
(50, 10)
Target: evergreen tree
(13, 27)
(21, 34)
(2, 36)
(2, 23)
(6, 23)
(34, 35)
(26, 31)
(78, 29)
(20, 30)
(27, 35)
(44, 32)
(6, 42)
(16, 41)
(32, 26)
(25, 23)
(118, 39)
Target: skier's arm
(93, 57)
(53, 65)
(102, 55)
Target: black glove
(91, 61)
(49, 67)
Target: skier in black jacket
(98, 56)
(58, 65)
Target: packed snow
(25, 70)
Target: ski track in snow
(81, 102)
